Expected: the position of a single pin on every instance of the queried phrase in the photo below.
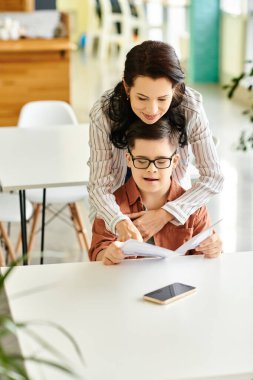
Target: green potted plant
(12, 363)
(246, 138)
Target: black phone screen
(169, 291)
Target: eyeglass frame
(152, 161)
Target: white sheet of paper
(196, 240)
(136, 248)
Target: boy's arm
(202, 221)
(104, 246)
(101, 239)
(112, 254)
(212, 246)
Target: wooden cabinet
(16, 5)
(32, 69)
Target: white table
(203, 336)
(41, 158)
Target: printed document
(136, 248)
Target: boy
(152, 156)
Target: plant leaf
(11, 368)
(10, 269)
(9, 326)
(47, 362)
(63, 332)
(11, 365)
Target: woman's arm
(107, 169)
(211, 178)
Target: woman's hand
(127, 230)
(150, 222)
(211, 247)
(112, 254)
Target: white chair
(49, 113)
(135, 22)
(10, 213)
(115, 30)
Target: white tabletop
(43, 157)
(203, 336)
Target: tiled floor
(234, 205)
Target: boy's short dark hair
(159, 130)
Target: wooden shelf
(36, 44)
(16, 5)
(32, 69)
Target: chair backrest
(46, 113)
(93, 17)
(134, 15)
(111, 12)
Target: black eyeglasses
(144, 163)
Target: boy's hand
(150, 222)
(112, 254)
(211, 247)
(127, 230)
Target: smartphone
(169, 293)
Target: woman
(152, 88)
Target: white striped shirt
(108, 164)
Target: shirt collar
(132, 191)
(134, 194)
(175, 191)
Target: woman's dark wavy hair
(153, 59)
(157, 131)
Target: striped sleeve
(107, 170)
(211, 179)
